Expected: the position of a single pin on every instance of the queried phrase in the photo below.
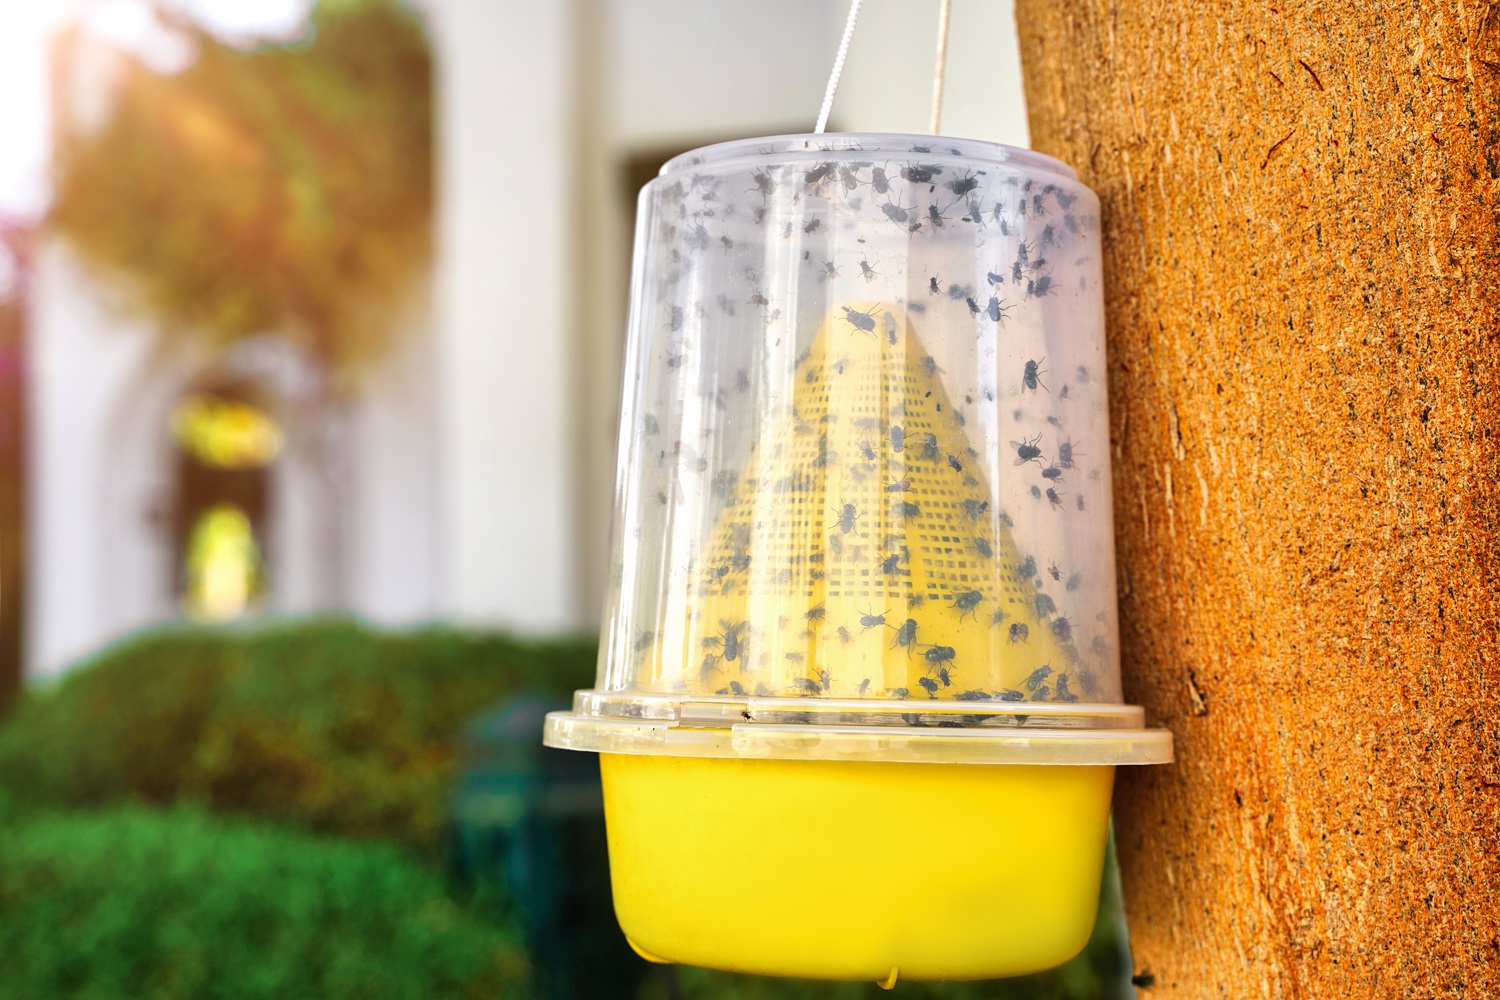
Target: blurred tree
(284, 190)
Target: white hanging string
(940, 67)
(838, 67)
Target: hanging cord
(838, 67)
(940, 66)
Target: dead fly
(848, 515)
(1063, 629)
(728, 642)
(1054, 498)
(898, 436)
(816, 613)
(935, 217)
(890, 565)
(996, 309)
(906, 636)
(1063, 694)
(933, 286)
(1037, 287)
(1019, 632)
(812, 226)
(929, 685)
(860, 320)
(1031, 375)
(961, 186)
(1034, 680)
(830, 272)
(1052, 473)
(1026, 450)
(866, 270)
(895, 213)
(936, 656)
(870, 621)
(898, 485)
(955, 463)
(966, 603)
(818, 174)
(1011, 695)
(807, 685)
(919, 173)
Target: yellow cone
(860, 555)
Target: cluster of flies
(952, 198)
(731, 645)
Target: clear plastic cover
(864, 450)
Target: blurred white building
(479, 463)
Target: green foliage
(287, 189)
(327, 723)
(164, 906)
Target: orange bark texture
(1301, 237)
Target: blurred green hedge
(179, 905)
(326, 723)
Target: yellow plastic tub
(855, 870)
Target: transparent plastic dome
(863, 501)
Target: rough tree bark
(1303, 290)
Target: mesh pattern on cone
(858, 554)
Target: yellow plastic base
(855, 870)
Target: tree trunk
(1300, 231)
